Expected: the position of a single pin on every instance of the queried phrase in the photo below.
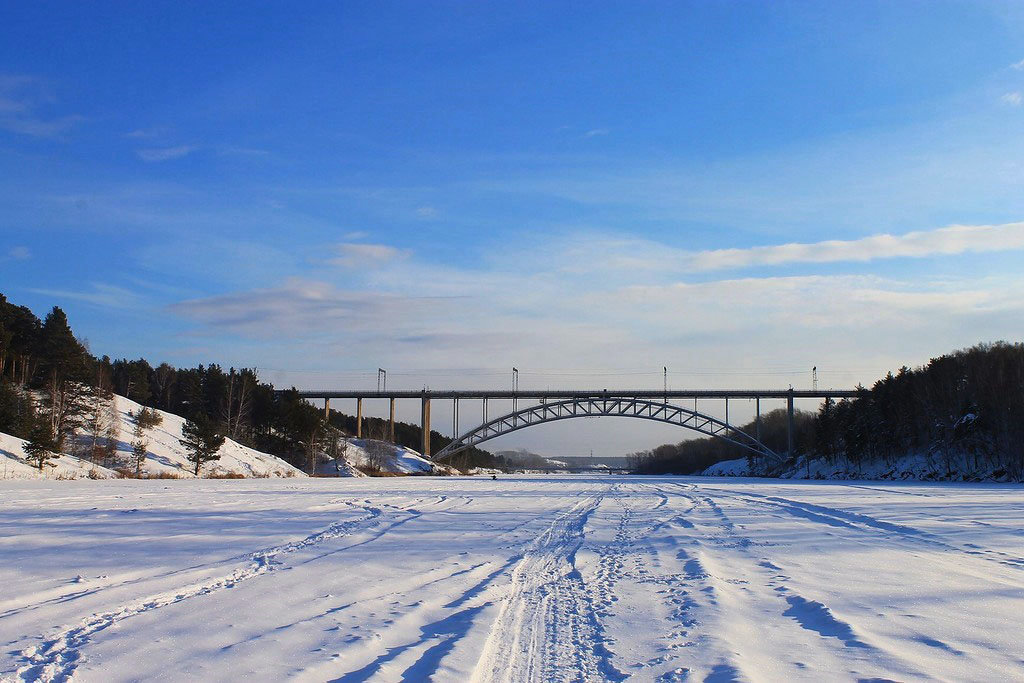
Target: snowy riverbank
(918, 467)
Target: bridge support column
(789, 424)
(391, 423)
(757, 418)
(359, 418)
(425, 425)
(327, 409)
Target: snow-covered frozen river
(523, 578)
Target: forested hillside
(965, 409)
(962, 413)
(53, 388)
(696, 455)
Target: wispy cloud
(359, 255)
(21, 97)
(427, 212)
(146, 133)
(158, 154)
(231, 150)
(301, 307)
(1013, 99)
(1019, 66)
(101, 294)
(955, 239)
(19, 253)
(635, 254)
(595, 132)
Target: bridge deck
(581, 393)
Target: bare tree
(378, 451)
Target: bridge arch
(611, 406)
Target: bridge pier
(425, 425)
(359, 418)
(789, 424)
(757, 418)
(391, 423)
(455, 418)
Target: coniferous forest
(52, 388)
(963, 410)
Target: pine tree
(41, 445)
(139, 445)
(202, 441)
(140, 448)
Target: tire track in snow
(57, 657)
(548, 627)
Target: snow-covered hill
(165, 454)
(916, 467)
(388, 457)
(14, 464)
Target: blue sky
(588, 191)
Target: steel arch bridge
(613, 406)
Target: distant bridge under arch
(554, 405)
(609, 406)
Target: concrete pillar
(757, 420)
(425, 425)
(391, 423)
(327, 409)
(789, 424)
(359, 418)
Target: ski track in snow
(551, 579)
(548, 624)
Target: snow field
(523, 578)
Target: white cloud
(358, 255)
(1019, 66)
(243, 151)
(101, 294)
(165, 153)
(955, 239)
(19, 253)
(590, 253)
(145, 133)
(21, 97)
(596, 132)
(426, 212)
(302, 307)
(1013, 99)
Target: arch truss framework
(607, 406)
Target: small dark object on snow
(494, 476)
